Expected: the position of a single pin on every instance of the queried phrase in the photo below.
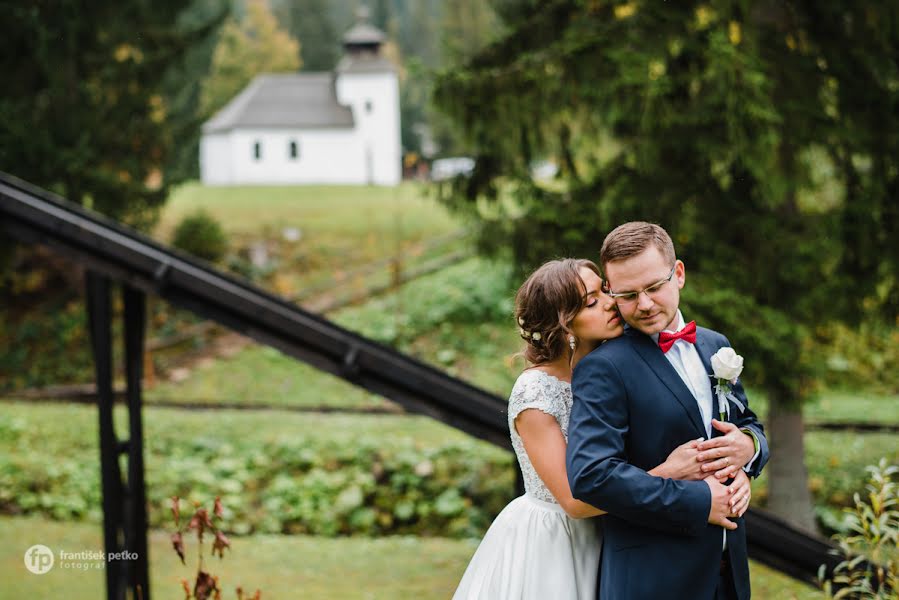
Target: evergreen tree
(381, 14)
(83, 106)
(466, 27)
(311, 22)
(182, 87)
(760, 134)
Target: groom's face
(655, 307)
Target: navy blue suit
(631, 410)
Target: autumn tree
(257, 44)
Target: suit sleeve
(598, 472)
(748, 420)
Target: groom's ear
(680, 273)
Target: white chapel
(312, 128)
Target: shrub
(202, 236)
(873, 536)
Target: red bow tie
(688, 334)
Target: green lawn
(60, 429)
(280, 566)
(263, 375)
(841, 406)
(361, 214)
(854, 405)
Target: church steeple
(363, 38)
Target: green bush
(201, 235)
(473, 292)
(873, 534)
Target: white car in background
(447, 168)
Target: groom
(638, 397)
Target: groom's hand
(721, 505)
(725, 455)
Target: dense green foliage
(746, 129)
(82, 106)
(311, 22)
(201, 234)
(470, 293)
(182, 87)
(46, 346)
(312, 474)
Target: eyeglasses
(630, 297)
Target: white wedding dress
(533, 550)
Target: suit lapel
(650, 353)
(706, 349)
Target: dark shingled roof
(296, 100)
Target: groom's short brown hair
(630, 239)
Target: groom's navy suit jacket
(631, 409)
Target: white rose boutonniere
(726, 366)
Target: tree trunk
(788, 493)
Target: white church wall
(329, 156)
(215, 159)
(374, 99)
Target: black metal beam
(124, 501)
(99, 309)
(136, 523)
(774, 542)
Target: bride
(544, 544)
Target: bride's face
(599, 319)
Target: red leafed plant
(206, 585)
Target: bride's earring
(572, 341)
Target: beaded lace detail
(536, 389)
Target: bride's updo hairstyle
(546, 304)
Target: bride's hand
(741, 492)
(682, 463)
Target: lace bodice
(536, 389)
